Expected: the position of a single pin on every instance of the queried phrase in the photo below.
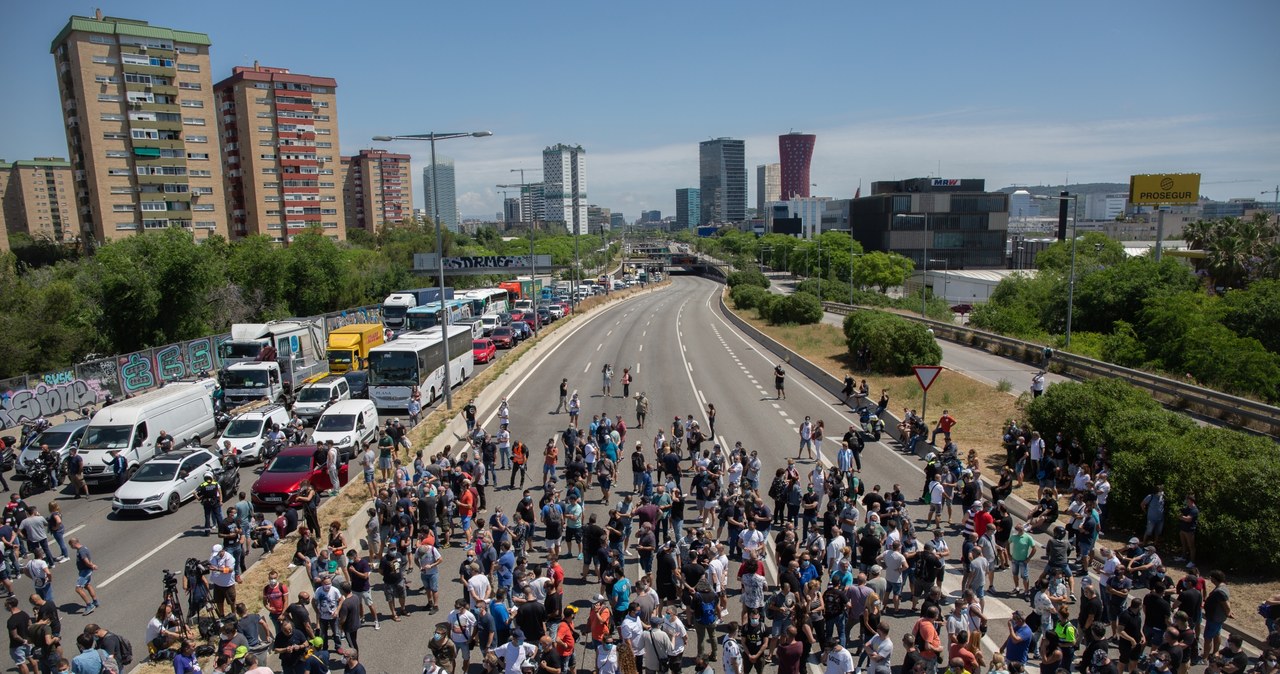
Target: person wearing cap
(223, 578)
(656, 644)
(210, 495)
(515, 652)
(326, 601)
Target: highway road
(684, 355)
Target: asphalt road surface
(684, 355)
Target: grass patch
(1004, 385)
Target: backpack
(126, 650)
(109, 664)
(775, 489)
(708, 612)
(833, 602)
(554, 516)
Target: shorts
(384, 462)
(572, 535)
(466, 523)
(935, 509)
(1154, 528)
(779, 626)
(979, 592)
(20, 654)
(1064, 569)
(1021, 569)
(366, 597)
(394, 592)
(368, 476)
(224, 594)
(552, 541)
(707, 505)
(946, 500)
(895, 589)
(431, 582)
(1212, 629)
(548, 469)
(84, 578)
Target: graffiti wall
(69, 389)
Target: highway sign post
(926, 375)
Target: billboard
(1164, 188)
(480, 264)
(944, 182)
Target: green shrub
(1123, 347)
(748, 296)
(753, 278)
(896, 343)
(1217, 357)
(798, 308)
(1232, 474)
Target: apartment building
(138, 107)
(39, 199)
(377, 187)
(279, 136)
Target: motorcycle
(872, 425)
(270, 449)
(38, 477)
(221, 419)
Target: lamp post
(1071, 280)
(435, 208)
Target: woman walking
(711, 419)
(606, 373)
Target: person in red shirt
(982, 519)
(564, 642)
(945, 423)
(789, 652)
(467, 509)
(926, 635)
(275, 596)
(960, 650)
(555, 589)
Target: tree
(258, 268)
(1093, 250)
(1255, 312)
(797, 308)
(882, 270)
(1122, 289)
(896, 344)
(753, 278)
(1238, 251)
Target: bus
(487, 301)
(424, 317)
(416, 360)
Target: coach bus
(416, 361)
(487, 301)
(428, 316)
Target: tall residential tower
(138, 107)
(688, 207)
(564, 180)
(768, 186)
(722, 180)
(445, 182)
(279, 133)
(377, 189)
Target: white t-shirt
(1037, 449)
(478, 585)
(632, 630)
(679, 635)
(883, 648)
(461, 626)
(1102, 488)
(839, 661)
(894, 565)
(936, 493)
(513, 655)
(732, 657)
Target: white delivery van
(348, 423)
(248, 430)
(183, 410)
(316, 397)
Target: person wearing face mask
(607, 655)
(441, 648)
(515, 652)
(752, 636)
(674, 627)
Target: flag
(858, 194)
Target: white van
(348, 424)
(183, 410)
(316, 397)
(248, 430)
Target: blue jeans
(62, 544)
(212, 516)
(835, 627)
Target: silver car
(60, 438)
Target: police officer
(210, 495)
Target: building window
(111, 117)
(100, 39)
(197, 139)
(268, 157)
(266, 129)
(206, 224)
(136, 78)
(126, 225)
(113, 135)
(273, 211)
(145, 134)
(202, 190)
(108, 98)
(105, 59)
(117, 154)
(201, 173)
(322, 132)
(123, 208)
(175, 188)
(265, 143)
(322, 118)
(154, 206)
(118, 189)
(154, 224)
(106, 79)
(270, 186)
(202, 207)
(190, 103)
(135, 59)
(187, 49)
(118, 172)
(270, 171)
(198, 156)
(188, 67)
(193, 86)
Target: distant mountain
(1081, 188)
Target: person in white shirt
(673, 626)
(835, 550)
(331, 466)
(880, 649)
(515, 652)
(223, 579)
(478, 587)
(606, 656)
(731, 651)
(462, 625)
(838, 660)
(632, 629)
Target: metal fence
(70, 388)
(1228, 409)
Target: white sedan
(162, 484)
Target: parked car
(504, 317)
(489, 322)
(519, 314)
(523, 329)
(554, 308)
(503, 337)
(164, 483)
(248, 431)
(545, 316)
(565, 306)
(962, 309)
(359, 382)
(483, 350)
(316, 397)
(283, 478)
(349, 424)
(60, 438)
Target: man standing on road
(210, 495)
(223, 578)
(806, 439)
(1037, 384)
(332, 459)
(84, 576)
(1022, 548)
(327, 601)
(564, 396)
(75, 471)
(1154, 505)
(780, 381)
(35, 531)
(642, 409)
(945, 423)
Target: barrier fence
(70, 388)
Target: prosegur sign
(481, 264)
(1164, 188)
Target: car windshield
(393, 368)
(501, 332)
(243, 428)
(314, 394)
(54, 439)
(339, 357)
(336, 422)
(229, 350)
(291, 463)
(156, 472)
(479, 345)
(106, 437)
(250, 379)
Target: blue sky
(1015, 93)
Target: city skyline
(1065, 109)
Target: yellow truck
(349, 346)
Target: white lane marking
(640, 349)
(588, 367)
(608, 333)
(782, 412)
(73, 531)
(645, 333)
(142, 559)
(637, 367)
(598, 346)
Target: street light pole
(435, 208)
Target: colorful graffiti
(45, 401)
(135, 373)
(370, 314)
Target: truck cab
(246, 382)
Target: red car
(566, 307)
(283, 477)
(519, 315)
(503, 336)
(483, 350)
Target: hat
(655, 620)
(518, 633)
(1017, 615)
(208, 475)
(217, 548)
(876, 569)
(317, 642)
(241, 651)
(598, 599)
(1134, 541)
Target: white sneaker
(376, 626)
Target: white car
(162, 484)
(248, 431)
(316, 397)
(489, 321)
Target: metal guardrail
(1243, 413)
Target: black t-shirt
(592, 537)
(299, 616)
(392, 570)
(1156, 609)
(1215, 606)
(1090, 607)
(1190, 601)
(1131, 624)
(532, 619)
(19, 623)
(296, 638)
(359, 584)
(49, 611)
(549, 659)
(666, 570)
(752, 637)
